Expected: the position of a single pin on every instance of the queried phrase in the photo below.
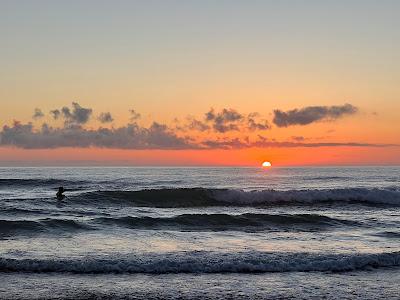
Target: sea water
(200, 233)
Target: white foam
(372, 196)
(207, 262)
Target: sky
(200, 82)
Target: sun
(266, 164)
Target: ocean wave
(327, 178)
(200, 197)
(186, 222)
(217, 222)
(16, 182)
(388, 234)
(16, 227)
(207, 262)
(21, 211)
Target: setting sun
(266, 164)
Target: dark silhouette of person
(60, 192)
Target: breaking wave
(200, 197)
(207, 262)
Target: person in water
(60, 192)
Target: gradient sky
(168, 60)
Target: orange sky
(252, 157)
(169, 61)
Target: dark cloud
(311, 114)
(55, 113)
(38, 114)
(76, 115)
(131, 136)
(225, 120)
(105, 117)
(134, 115)
(160, 136)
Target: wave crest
(217, 222)
(200, 197)
(207, 262)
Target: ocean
(200, 233)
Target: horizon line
(86, 164)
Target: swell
(219, 222)
(388, 234)
(200, 197)
(207, 262)
(26, 227)
(21, 182)
(186, 222)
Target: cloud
(253, 125)
(55, 113)
(234, 143)
(131, 136)
(310, 114)
(197, 125)
(244, 131)
(37, 114)
(134, 115)
(226, 120)
(262, 142)
(231, 120)
(76, 115)
(105, 117)
(298, 138)
(275, 144)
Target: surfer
(60, 192)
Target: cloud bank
(224, 129)
(134, 136)
(131, 136)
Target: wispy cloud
(224, 121)
(37, 114)
(262, 142)
(134, 115)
